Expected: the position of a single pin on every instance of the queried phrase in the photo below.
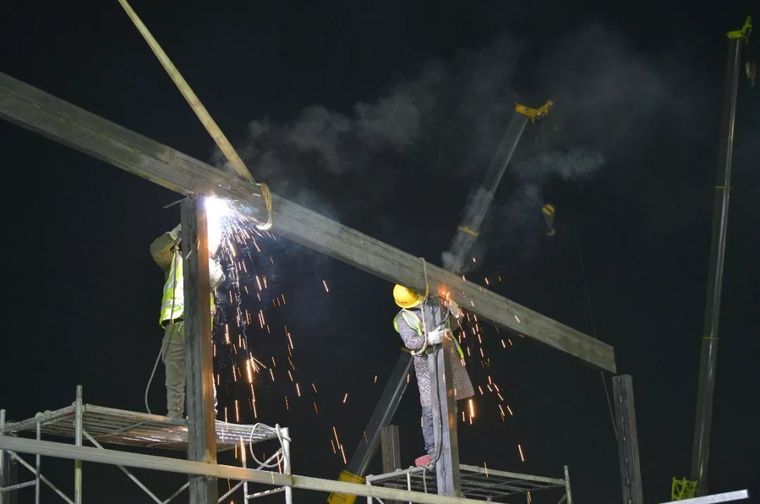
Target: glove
(454, 309)
(436, 337)
(176, 233)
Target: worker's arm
(412, 340)
(453, 308)
(215, 273)
(161, 248)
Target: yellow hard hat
(406, 297)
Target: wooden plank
(63, 122)
(199, 356)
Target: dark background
(638, 88)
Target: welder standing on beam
(423, 323)
(166, 251)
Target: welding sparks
(522, 455)
(325, 285)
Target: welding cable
(439, 441)
(280, 455)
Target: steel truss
(100, 425)
(476, 482)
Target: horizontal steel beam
(63, 122)
(219, 471)
(721, 497)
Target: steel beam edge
(63, 122)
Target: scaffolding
(479, 483)
(101, 425)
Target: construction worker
(423, 323)
(166, 252)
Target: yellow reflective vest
(173, 298)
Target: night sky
(384, 115)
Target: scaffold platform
(96, 426)
(477, 483)
(131, 428)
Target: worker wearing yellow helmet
(423, 322)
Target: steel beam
(709, 354)
(627, 439)
(173, 465)
(199, 357)
(710, 499)
(63, 122)
(444, 421)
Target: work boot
(423, 461)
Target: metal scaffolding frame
(101, 425)
(476, 483)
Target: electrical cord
(279, 456)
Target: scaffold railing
(99, 425)
(480, 483)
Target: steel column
(37, 467)
(444, 421)
(198, 349)
(628, 441)
(8, 471)
(709, 353)
(78, 411)
(287, 468)
(568, 490)
(390, 450)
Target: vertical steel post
(38, 468)
(444, 421)
(286, 468)
(709, 354)
(198, 348)
(568, 491)
(390, 451)
(8, 473)
(628, 441)
(245, 465)
(78, 412)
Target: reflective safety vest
(412, 320)
(415, 322)
(173, 299)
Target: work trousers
(427, 430)
(173, 356)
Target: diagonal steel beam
(63, 122)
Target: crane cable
(589, 307)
